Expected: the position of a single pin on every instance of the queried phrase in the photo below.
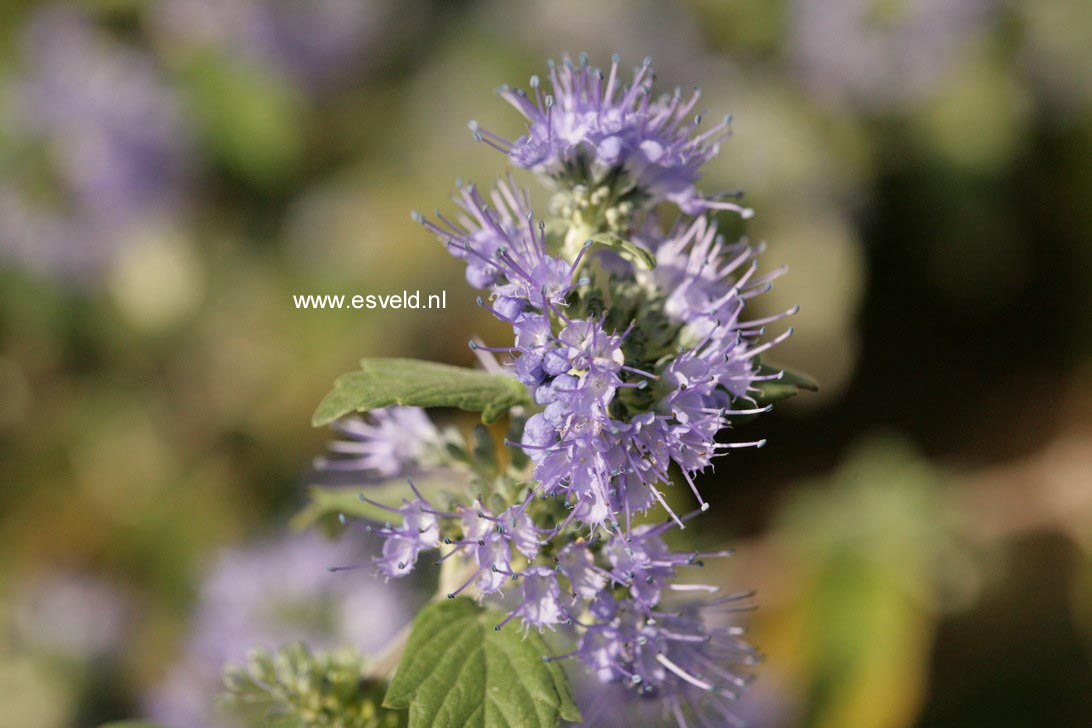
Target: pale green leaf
(385, 382)
(458, 670)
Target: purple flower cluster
(605, 465)
(489, 540)
(610, 590)
(608, 467)
(591, 124)
(505, 251)
(634, 370)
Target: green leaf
(384, 382)
(330, 501)
(458, 670)
(626, 249)
(131, 724)
(788, 385)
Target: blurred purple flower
(115, 142)
(386, 443)
(71, 615)
(316, 43)
(880, 56)
(673, 661)
(271, 595)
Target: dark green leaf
(459, 671)
(385, 382)
(626, 249)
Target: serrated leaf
(458, 670)
(626, 249)
(331, 501)
(385, 382)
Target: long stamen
(662, 659)
(377, 504)
(467, 583)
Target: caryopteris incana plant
(634, 350)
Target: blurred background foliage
(172, 171)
